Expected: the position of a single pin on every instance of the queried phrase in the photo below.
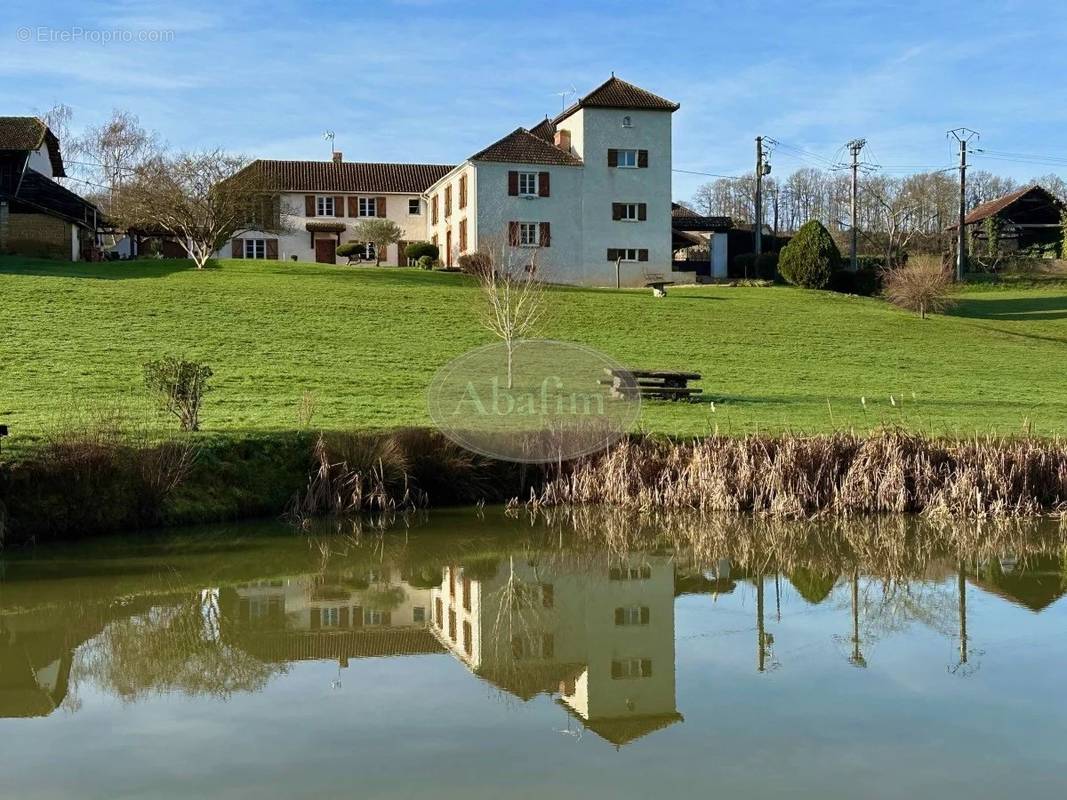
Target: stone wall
(39, 236)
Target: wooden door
(326, 251)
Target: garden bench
(657, 283)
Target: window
(528, 234)
(627, 122)
(368, 207)
(414, 206)
(372, 617)
(255, 248)
(528, 183)
(631, 615)
(628, 212)
(331, 617)
(324, 206)
(627, 254)
(627, 158)
(418, 614)
(631, 668)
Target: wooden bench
(657, 283)
(652, 384)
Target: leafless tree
(201, 199)
(513, 296)
(923, 285)
(110, 154)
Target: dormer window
(627, 122)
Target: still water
(472, 655)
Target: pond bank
(72, 489)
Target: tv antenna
(329, 136)
(563, 97)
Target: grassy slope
(367, 341)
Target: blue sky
(436, 80)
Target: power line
(709, 174)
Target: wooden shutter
(338, 206)
(237, 248)
(513, 233)
(433, 210)
(642, 211)
(616, 669)
(548, 595)
(513, 183)
(613, 157)
(387, 618)
(616, 211)
(353, 206)
(357, 616)
(316, 619)
(448, 201)
(542, 184)
(620, 616)
(272, 249)
(462, 191)
(462, 235)
(644, 615)
(613, 254)
(548, 646)
(646, 667)
(379, 206)
(343, 617)
(309, 205)
(545, 235)
(642, 158)
(642, 255)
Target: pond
(472, 654)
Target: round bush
(425, 262)
(348, 249)
(810, 258)
(416, 250)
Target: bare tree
(202, 199)
(513, 294)
(111, 153)
(923, 285)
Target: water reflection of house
(1036, 583)
(600, 637)
(332, 616)
(36, 652)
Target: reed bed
(888, 472)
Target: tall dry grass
(800, 476)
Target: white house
(585, 189)
(582, 193)
(322, 201)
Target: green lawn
(366, 342)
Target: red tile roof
(522, 147)
(29, 133)
(350, 176)
(617, 93)
(993, 207)
(545, 129)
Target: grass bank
(363, 343)
(92, 487)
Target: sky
(437, 80)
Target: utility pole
(757, 225)
(963, 136)
(854, 148)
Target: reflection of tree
(164, 650)
(382, 597)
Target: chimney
(563, 140)
(337, 156)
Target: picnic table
(651, 384)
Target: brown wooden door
(326, 251)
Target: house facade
(587, 195)
(38, 216)
(322, 202)
(581, 194)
